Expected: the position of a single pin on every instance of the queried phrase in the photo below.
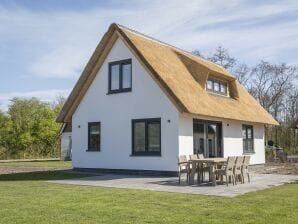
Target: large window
(248, 138)
(93, 136)
(217, 86)
(120, 76)
(146, 139)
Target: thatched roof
(180, 74)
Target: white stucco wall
(232, 137)
(185, 134)
(233, 143)
(115, 112)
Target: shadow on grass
(40, 176)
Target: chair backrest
(239, 162)
(246, 161)
(201, 156)
(230, 162)
(182, 159)
(193, 157)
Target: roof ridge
(169, 45)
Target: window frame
(89, 135)
(220, 82)
(146, 152)
(121, 89)
(244, 141)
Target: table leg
(200, 173)
(213, 175)
(192, 173)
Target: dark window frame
(246, 139)
(220, 82)
(147, 152)
(220, 140)
(89, 135)
(121, 89)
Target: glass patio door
(199, 137)
(207, 138)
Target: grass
(27, 198)
(54, 164)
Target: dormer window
(120, 76)
(217, 86)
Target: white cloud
(59, 43)
(44, 95)
(65, 62)
(63, 41)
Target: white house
(140, 103)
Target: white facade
(232, 137)
(115, 112)
(146, 100)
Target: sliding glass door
(207, 138)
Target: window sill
(145, 155)
(218, 94)
(248, 153)
(119, 91)
(92, 150)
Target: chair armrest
(220, 166)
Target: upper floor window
(120, 76)
(217, 86)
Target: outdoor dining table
(211, 162)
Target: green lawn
(56, 164)
(27, 198)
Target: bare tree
(270, 84)
(223, 58)
(242, 73)
(198, 53)
(291, 106)
(58, 103)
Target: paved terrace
(170, 184)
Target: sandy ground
(7, 169)
(280, 168)
(13, 167)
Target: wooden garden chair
(244, 168)
(227, 170)
(238, 169)
(193, 157)
(183, 167)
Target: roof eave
(273, 121)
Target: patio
(170, 184)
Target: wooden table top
(210, 160)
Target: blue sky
(44, 45)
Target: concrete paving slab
(170, 184)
